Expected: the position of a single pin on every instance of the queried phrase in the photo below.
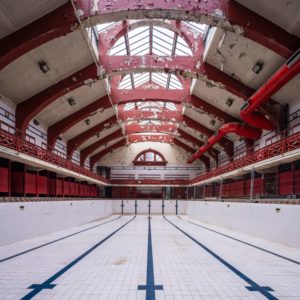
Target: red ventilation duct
(248, 112)
(287, 72)
(237, 128)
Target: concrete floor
(131, 257)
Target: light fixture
(87, 121)
(258, 67)
(229, 102)
(44, 67)
(71, 101)
(36, 122)
(212, 122)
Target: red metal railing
(16, 143)
(280, 147)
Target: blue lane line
(254, 287)
(37, 288)
(240, 241)
(52, 242)
(150, 286)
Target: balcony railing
(284, 145)
(279, 147)
(16, 143)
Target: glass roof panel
(164, 80)
(105, 26)
(150, 106)
(138, 41)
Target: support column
(221, 188)
(122, 207)
(149, 206)
(252, 184)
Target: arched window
(149, 157)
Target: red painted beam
(108, 11)
(139, 115)
(62, 21)
(226, 144)
(137, 128)
(124, 96)
(63, 125)
(84, 153)
(78, 140)
(179, 65)
(210, 109)
(137, 138)
(262, 31)
(29, 108)
(187, 148)
(57, 23)
(174, 96)
(102, 153)
(212, 152)
(252, 25)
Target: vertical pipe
(294, 178)
(221, 188)
(252, 184)
(176, 206)
(135, 207)
(9, 179)
(122, 207)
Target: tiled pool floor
(132, 257)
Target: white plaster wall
(259, 220)
(142, 206)
(41, 218)
(158, 172)
(125, 155)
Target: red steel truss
(62, 21)
(78, 140)
(93, 147)
(161, 138)
(63, 125)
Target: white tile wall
(41, 218)
(259, 220)
(142, 206)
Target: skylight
(168, 81)
(103, 27)
(151, 40)
(150, 106)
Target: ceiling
(228, 52)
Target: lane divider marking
(254, 287)
(150, 286)
(55, 241)
(243, 242)
(47, 284)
